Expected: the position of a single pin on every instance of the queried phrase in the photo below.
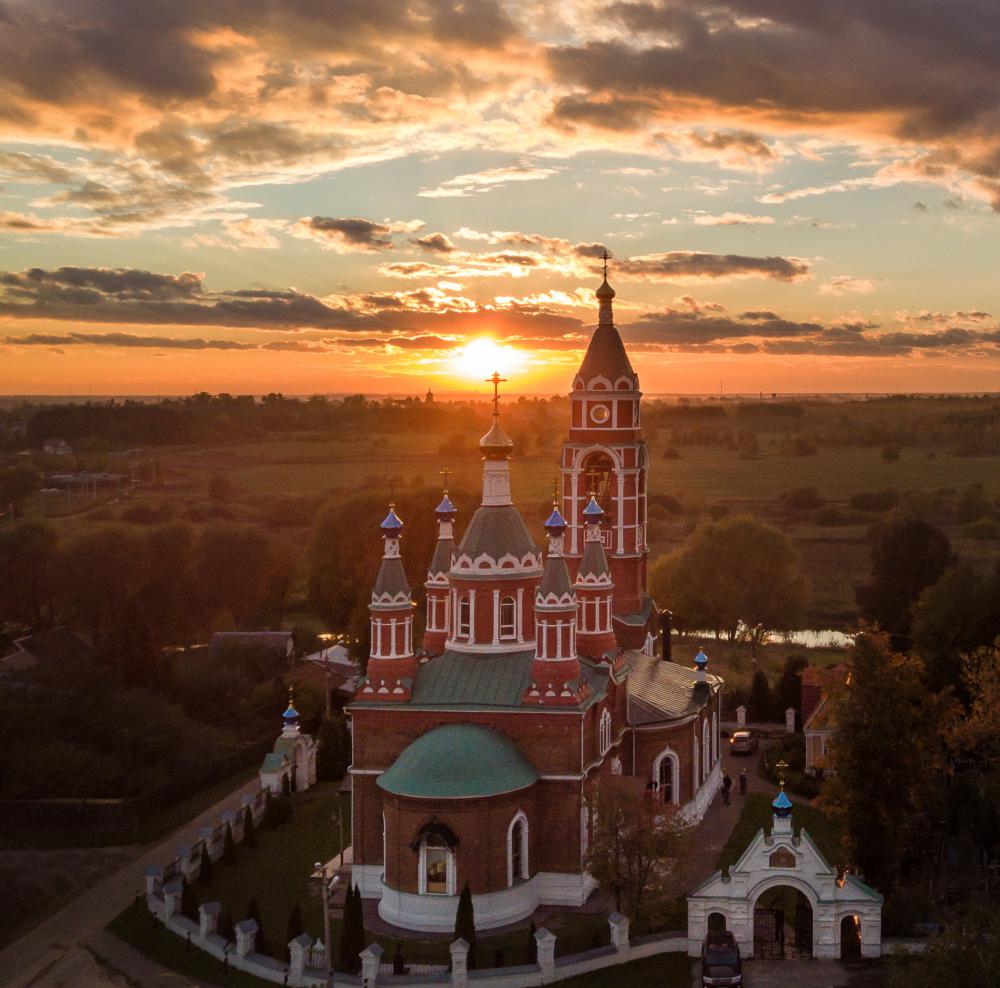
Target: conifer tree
(352, 934)
(531, 946)
(228, 847)
(206, 870)
(249, 830)
(286, 785)
(260, 940)
(465, 922)
(189, 901)
(227, 928)
(295, 925)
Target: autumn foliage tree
(634, 842)
(736, 570)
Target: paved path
(55, 941)
(805, 974)
(717, 824)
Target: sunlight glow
(480, 357)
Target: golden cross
(605, 255)
(445, 473)
(781, 766)
(496, 380)
(555, 492)
(592, 475)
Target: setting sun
(480, 357)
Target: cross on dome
(496, 380)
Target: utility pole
(326, 639)
(325, 892)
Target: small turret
(391, 663)
(781, 804)
(701, 667)
(497, 447)
(594, 590)
(555, 672)
(290, 718)
(437, 585)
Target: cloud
(732, 219)
(846, 284)
(681, 266)
(435, 243)
(345, 235)
(488, 180)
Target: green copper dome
(458, 761)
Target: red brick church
(475, 754)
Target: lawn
(757, 813)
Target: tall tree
(465, 922)
(730, 571)
(260, 940)
(889, 755)
(907, 555)
(634, 844)
(26, 551)
(334, 749)
(295, 926)
(352, 932)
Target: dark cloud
(681, 266)
(352, 231)
(436, 243)
(675, 326)
(738, 140)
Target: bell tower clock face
(600, 414)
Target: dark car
(720, 961)
(742, 743)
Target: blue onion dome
(555, 524)
(782, 805)
(291, 715)
(701, 659)
(392, 524)
(593, 512)
(446, 509)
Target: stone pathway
(58, 939)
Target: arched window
(437, 866)
(715, 739)
(599, 476)
(508, 619)
(464, 616)
(666, 777)
(517, 850)
(605, 731)
(781, 858)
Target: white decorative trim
(436, 913)
(675, 785)
(605, 732)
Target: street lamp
(325, 889)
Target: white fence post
(154, 879)
(619, 931)
(246, 934)
(172, 892)
(459, 963)
(741, 716)
(790, 720)
(208, 919)
(546, 942)
(298, 952)
(371, 962)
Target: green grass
(150, 937)
(664, 971)
(757, 813)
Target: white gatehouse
(830, 916)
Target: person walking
(743, 781)
(727, 784)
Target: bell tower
(605, 455)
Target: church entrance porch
(782, 925)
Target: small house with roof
(817, 723)
(838, 915)
(55, 646)
(293, 755)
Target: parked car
(720, 961)
(742, 743)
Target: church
(476, 754)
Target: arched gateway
(782, 899)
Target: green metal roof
(459, 761)
(462, 679)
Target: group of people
(727, 784)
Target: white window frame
(512, 879)
(449, 869)
(508, 629)
(706, 750)
(675, 773)
(464, 624)
(605, 731)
